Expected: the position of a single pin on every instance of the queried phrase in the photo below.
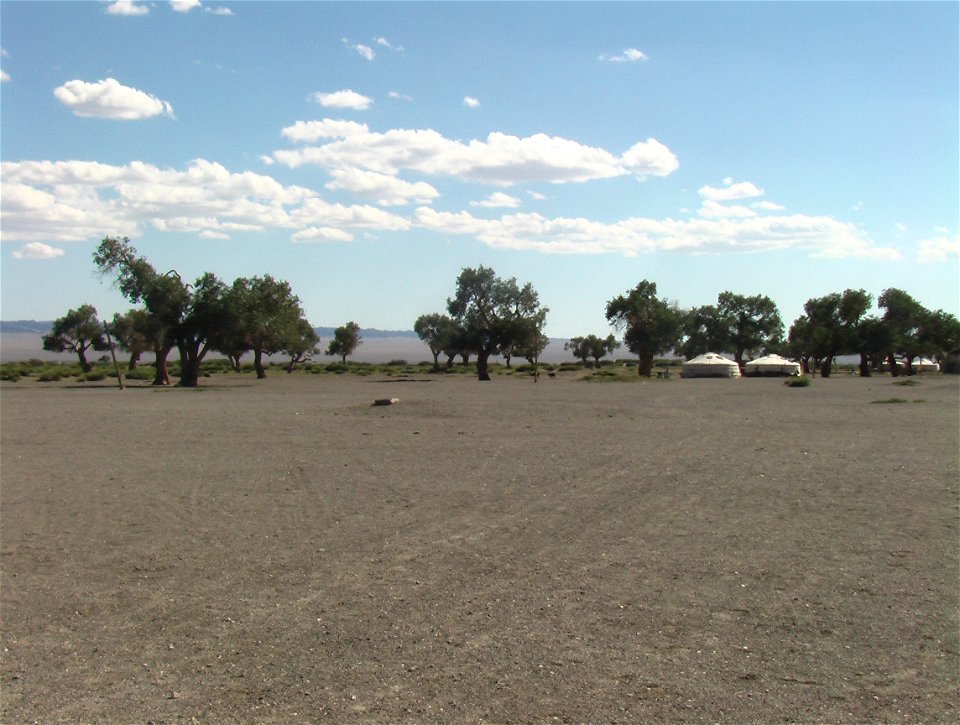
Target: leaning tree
(494, 314)
(186, 316)
(78, 331)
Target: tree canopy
(346, 340)
(495, 314)
(79, 330)
(650, 325)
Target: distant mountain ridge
(42, 327)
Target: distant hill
(42, 327)
(20, 340)
(34, 326)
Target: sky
(368, 152)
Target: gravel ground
(673, 550)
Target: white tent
(710, 365)
(772, 365)
(924, 365)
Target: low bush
(139, 374)
(92, 377)
(49, 377)
(801, 381)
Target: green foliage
(49, 377)
(495, 316)
(92, 376)
(801, 381)
(751, 323)
(138, 374)
(346, 340)
(651, 325)
(79, 330)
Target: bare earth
(681, 550)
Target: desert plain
(562, 551)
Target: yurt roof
(711, 358)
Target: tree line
(489, 316)
(259, 315)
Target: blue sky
(367, 152)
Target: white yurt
(924, 365)
(710, 365)
(772, 365)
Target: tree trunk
(436, 361)
(645, 364)
(81, 353)
(825, 365)
(864, 365)
(191, 355)
(162, 376)
(482, 368)
(892, 361)
(258, 364)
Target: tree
(262, 314)
(591, 346)
(139, 282)
(650, 325)
(494, 314)
(188, 317)
(301, 344)
(903, 317)
(345, 341)
(437, 331)
(831, 327)
(940, 335)
(78, 330)
(133, 333)
(704, 330)
(753, 323)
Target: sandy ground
(281, 551)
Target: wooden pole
(113, 354)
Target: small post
(113, 355)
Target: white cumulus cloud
(629, 55)
(364, 51)
(184, 6)
(346, 98)
(498, 160)
(384, 189)
(716, 210)
(37, 250)
(127, 7)
(4, 77)
(470, 102)
(820, 236)
(730, 191)
(109, 99)
(498, 200)
(939, 248)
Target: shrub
(909, 383)
(138, 374)
(92, 377)
(889, 400)
(801, 381)
(9, 375)
(336, 367)
(48, 377)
